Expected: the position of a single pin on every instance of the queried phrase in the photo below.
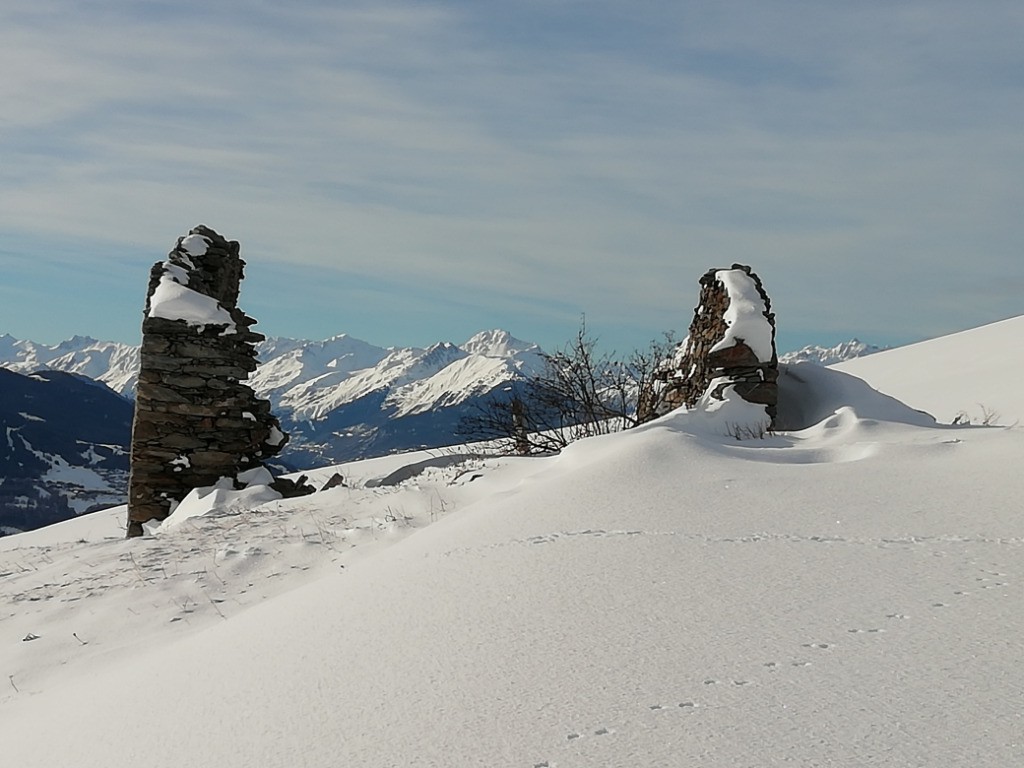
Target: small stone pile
(730, 347)
(196, 421)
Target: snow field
(975, 373)
(847, 594)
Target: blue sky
(409, 172)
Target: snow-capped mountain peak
(289, 363)
(113, 363)
(316, 397)
(497, 343)
(846, 350)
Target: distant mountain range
(293, 368)
(847, 350)
(110, 362)
(344, 399)
(340, 399)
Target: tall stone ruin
(730, 349)
(196, 421)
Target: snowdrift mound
(824, 417)
(809, 394)
(641, 599)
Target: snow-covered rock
(728, 354)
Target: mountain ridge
(342, 398)
(845, 350)
(339, 399)
(286, 362)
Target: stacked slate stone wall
(196, 420)
(697, 364)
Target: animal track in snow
(549, 538)
(687, 705)
(776, 667)
(602, 731)
(988, 583)
(661, 710)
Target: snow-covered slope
(288, 363)
(63, 447)
(317, 397)
(411, 398)
(414, 380)
(975, 374)
(814, 353)
(844, 595)
(112, 363)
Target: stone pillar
(730, 347)
(196, 420)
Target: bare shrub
(756, 431)
(580, 392)
(989, 417)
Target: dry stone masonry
(730, 350)
(196, 421)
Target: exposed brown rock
(699, 369)
(196, 420)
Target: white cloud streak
(855, 146)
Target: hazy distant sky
(409, 172)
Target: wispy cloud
(551, 155)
